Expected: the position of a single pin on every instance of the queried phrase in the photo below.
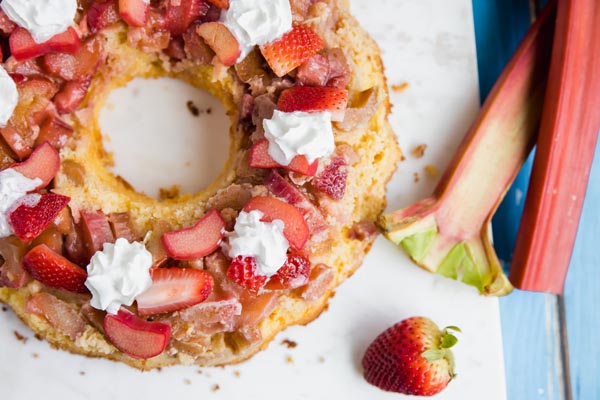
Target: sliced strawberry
(16, 142)
(102, 15)
(23, 47)
(53, 270)
(29, 221)
(332, 180)
(179, 17)
(96, 231)
(222, 4)
(72, 94)
(136, 337)
(295, 229)
(294, 273)
(220, 39)
(259, 157)
(54, 131)
(134, 12)
(315, 99)
(198, 241)
(43, 163)
(242, 271)
(289, 52)
(174, 289)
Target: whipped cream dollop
(117, 274)
(257, 22)
(42, 18)
(262, 240)
(299, 133)
(9, 97)
(13, 192)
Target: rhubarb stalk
(566, 144)
(448, 233)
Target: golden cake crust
(374, 142)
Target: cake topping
(299, 133)
(117, 274)
(13, 189)
(257, 22)
(264, 241)
(9, 98)
(43, 19)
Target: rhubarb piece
(174, 289)
(198, 241)
(43, 163)
(96, 231)
(136, 337)
(54, 131)
(12, 273)
(294, 273)
(565, 150)
(314, 99)
(218, 37)
(23, 47)
(102, 15)
(29, 220)
(53, 270)
(122, 226)
(62, 315)
(242, 271)
(72, 95)
(259, 157)
(289, 52)
(295, 229)
(448, 233)
(222, 4)
(16, 142)
(134, 12)
(180, 14)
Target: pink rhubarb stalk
(448, 233)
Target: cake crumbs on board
(419, 151)
(21, 338)
(237, 373)
(192, 108)
(431, 171)
(289, 360)
(416, 177)
(400, 87)
(290, 344)
(169, 193)
(35, 355)
(216, 387)
(4, 308)
(187, 381)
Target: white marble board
(430, 45)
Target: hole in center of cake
(166, 137)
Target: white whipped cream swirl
(13, 192)
(117, 274)
(262, 240)
(42, 18)
(299, 133)
(257, 22)
(9, 97)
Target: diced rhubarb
(198, 241)
(222, 4)
(448, 233)
(155, 245)
(23, 47)
(102, 15)
(17, 143)
(54, 131)
(216, 314)
(71, 95)
(96, 231)
(12, 273)
(181, 14)
(29, 220)
(295, 228)
(53, 270)
(289, 52)
(315, 99)
(218, 37)
(75, 66)
(122, 226)
(59, 314)
(254, 310)
(565, 150)
(332, 180)
(134, 12)
(51, 237)
(259, 157)
(43, 163)
(136, 337)
(320, 281)
(174, 289)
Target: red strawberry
(198, 241)
(134, 12)
(102, 15)
(220, 39)
(136, 337)
(179, 17)
(223, 4)
(242, 271)
(332, 181)
(294, 273)
(54, 270)
(289, 52)
(28, 222)
(315, 99)
(412, 357)
(174, 289)
(43, 163)
(295, 229)
(23, 47)
(259, 157)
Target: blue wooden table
(550, 342)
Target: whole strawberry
(412, 357)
